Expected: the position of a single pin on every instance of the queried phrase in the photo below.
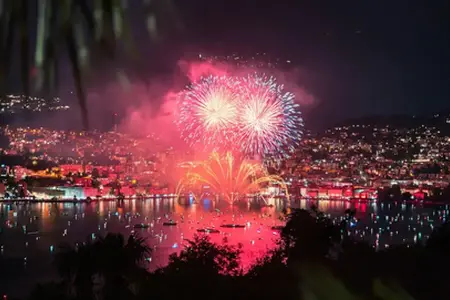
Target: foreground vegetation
(313, 260)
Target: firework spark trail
(252, 113)
(269, 119)
(208, 111)
(229, 177)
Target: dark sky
(361, 57)
(358, 57)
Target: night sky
(360, 57)
(357, 57)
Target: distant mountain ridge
(439, 120)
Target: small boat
(208, 230)
(232, 226)
(171, 223)
(279, 227)
(33, 232)
(141, 226)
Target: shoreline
(173, 197)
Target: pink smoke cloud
(151, 108)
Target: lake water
(30, 233)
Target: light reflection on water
(381, 224)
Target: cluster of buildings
(360, 161)
(12, 104)
(95, 162)
(95, 148)
(356, 161)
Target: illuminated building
(11, 104)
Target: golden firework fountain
(228, 178)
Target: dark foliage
(201, 268)
(206, 258)
(316, 242)
(108, 266)
(86, 32)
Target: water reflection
(31, 230)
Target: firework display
(252, 114)
(228, 177)
(208, 111)
(269, 119)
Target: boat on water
(171, 223)
(232, 226)
(141, 226)
(279, 227)
(33, 232)
(208, 230)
